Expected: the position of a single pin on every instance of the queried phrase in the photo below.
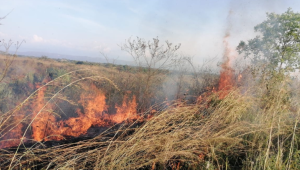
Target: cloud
(85, 21)
(36, 38)
(2, 35)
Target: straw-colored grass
(251, 128)
(256, 126)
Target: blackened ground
(33, 155)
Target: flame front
(94, 106)
(227, 73)
(46, 127)
(43, 118)
(226, 81)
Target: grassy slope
(253, 127)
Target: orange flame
(45, 126)
(41, 126)
(226, 81)
(93, 115)
(96, 114)
(125, 111)
(240, 77)
(13, 137)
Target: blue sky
(84, 28)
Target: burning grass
(247, 122)
(249, 128)
(232, 132)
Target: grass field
(168, 121)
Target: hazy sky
(84, 28)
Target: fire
(94, 106)
(46, 127)
(240, 77)
(95, 113)
(14, 132)
(127, 110)
(227, 73)
(12, 136)
(226, 81)
(42, 123)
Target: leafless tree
(1, 18)
(152, 58)
(7, 57)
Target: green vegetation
(254, 126)
(278, 44)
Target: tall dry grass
(254, 127)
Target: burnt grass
(40, 149)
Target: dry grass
(250, 129)
(253, 127)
